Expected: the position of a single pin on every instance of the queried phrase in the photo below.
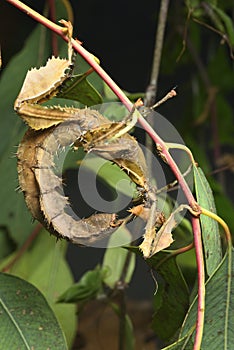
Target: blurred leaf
(89, 286)
(110, 174)
(228, 22)
(225, 207)
(118, 261)
(210, 229)
(225, 121)
(26, 320)
(219, 311)
(223, 82)
(194, 7)
(114, 111)
(6, 243)
(78, 88)
(51, 275)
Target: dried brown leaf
(157, 241)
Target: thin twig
(201, 283)
(54, 38)
(23, 249)
(174, 253)
(151, 91)
(170, 94)
(121, 286)
(122, 316)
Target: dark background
(121, 34)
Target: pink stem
(201, 283)
(54, 37)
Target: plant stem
(122, 316)
(201, 283)
(221, 222)
(152, 88)
(121, 285)
(151, 91)
(24, 247)
(35, 15)
(54, 38)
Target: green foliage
(89, 287)
(51, 275)
(26, 320)
(118, 261)
(210, 229)
(171, 294)
(227, 22)
(44, 264)
(79, 89)
(219, 313)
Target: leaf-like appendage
(41, 84)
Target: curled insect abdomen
(54, 204)
(40, 158)
(40, 179)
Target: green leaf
(50, 274)
(171, 301)
(219, 308)
(26, 320)
(89, 286)
(228, 22)
(210, 229)
(78, 88)
(117, 259)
